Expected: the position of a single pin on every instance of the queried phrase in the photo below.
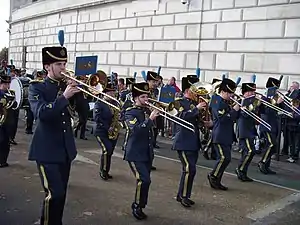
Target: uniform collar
(52, 81)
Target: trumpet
(272, 106)
(289, 102)
(249, 112)
(170, 116)
(94, 90)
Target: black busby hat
(227, 85)
(4, 78)
(151, 75)
(187, 82)
(215, 80)
(130, 80)
(109, 86)
(248, 87)
(273, 82)
(140, 89)
(54, 54)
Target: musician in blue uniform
(53, 145)
(4, 125)
(271, 117)
(246, 132)
(187, 143)
(139, 145)
(107, 129)
(223, 134)
(123, 94)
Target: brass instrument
(164, 107)
(115, 127)
(289, 102)
(6, 102)
(272, 105)
(96, 89)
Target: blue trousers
(4, 145)
(223, 159)
(108, 147)
(248, 151)
(188, 160)
(54, 178)
(270, 147)
(141, 171)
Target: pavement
(270, 200)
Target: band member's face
(249, 93)
(142, 99)
(153, 84)
(4, 87)
(55, 69)
(111, 93)
(226, 95)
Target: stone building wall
(241, 37)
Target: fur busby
(152, 76)
(227, 85)
(109, 87)
(248, 87)
(273, 82)
(140, 89)
(188, 81)
(54, 54)
(130, 80)
(215, 80)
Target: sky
(4, 15)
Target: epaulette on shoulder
(36, 81)
(130, 108)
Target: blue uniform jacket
(186, 140)
(138, 144)
(53, 140)
(103, 117)
(246, 125)
(123, 95)
(223, 120)
(271, 117)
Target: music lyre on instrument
(98, 89)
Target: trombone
(249, 113)
(274, 107)
(92, 89)
(288, 102)
(170, 116)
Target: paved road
(91, 201)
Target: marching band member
(139, 145)
(123, 94)
(53, 145)
(82, 108)
(247, 132)
(4, 128)
(107, 129)
(271, 117)
(187, 143)
(223, 132)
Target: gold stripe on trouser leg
(208, 144)
(221, 160)
(249, 154)
(126, 135)
(139, 184)
(48, 197)
(187, 172)
(104, 152)
(269, 149)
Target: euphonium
(6, 102)
(115, 127)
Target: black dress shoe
(153, 168)
(28, 132)
(83, 138)
(212, 181)
(245, 178)
(2, 165)
(189, 201)
(271, 171)
(13, 142)
(137, 212)
(238, 173)
(156, 146)
(222, 187)
(109, 176)
(262, 168)
(103, 175)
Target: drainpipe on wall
(76, 31)
(199, 43)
